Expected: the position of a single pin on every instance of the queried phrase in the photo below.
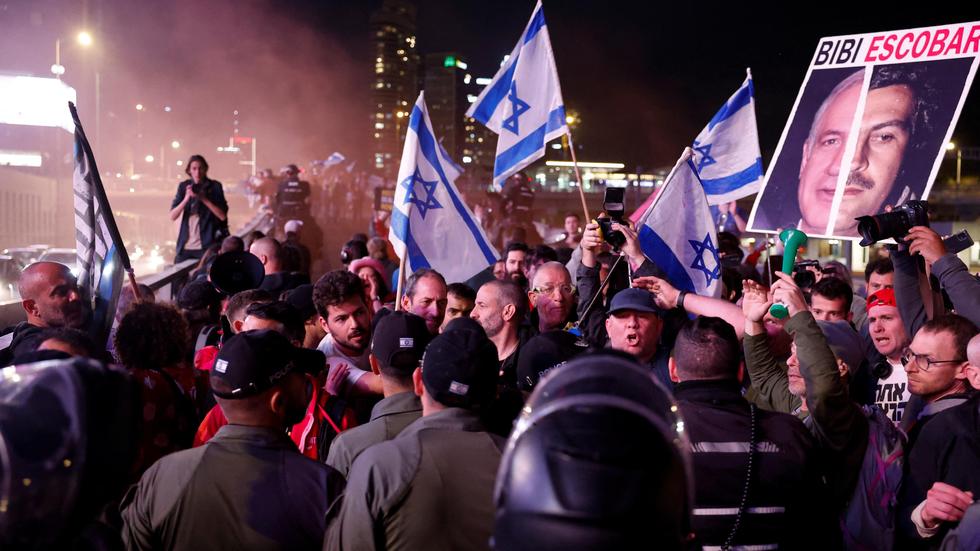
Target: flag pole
(578, 177)
(401, 279)
(685, 156)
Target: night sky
(645, 76)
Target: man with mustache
(893, 110)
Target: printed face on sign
(882, 138)
(869, 128)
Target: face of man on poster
(882, 137)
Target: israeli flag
(677, 234)
(726, 152)
(522, 103)
(453, 170)
(429, 221)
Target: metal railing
(167, 284)
(164, 284)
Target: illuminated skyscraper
(445, 80)
(394, 88)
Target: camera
(803, 276)
(893, 224)
(613, 203)
(197, 187)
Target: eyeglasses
(908, 357)
(565, 289)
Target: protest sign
(868, 129)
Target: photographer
(201, 203)
(953, 275)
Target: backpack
(868, 521)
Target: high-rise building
(445, 95)
(479, 142)
(395, 85)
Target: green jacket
(770, 385)
(837, 422)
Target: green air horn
(792, 240)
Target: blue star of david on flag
(429, 187)
(518, 106)
(700, 247)
(704, 155)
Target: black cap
(236, 271)
(633, 298)
(544, 352)
(302, 299)
(399, 341)
(460, 365)
(198, 295)
(253, 361)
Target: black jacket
(786, 501)
(212, 228)
(947, 450)
(18, 339)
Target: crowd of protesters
(274, 406)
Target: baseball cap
(301, 298)
(882, 297)
(633, 298)
(399, 341)
(460, 365)
(253, 361)
(545, 352)
(198, 295)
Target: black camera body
(197, 187)
(803, 276)
(894, 224)
(614, 204)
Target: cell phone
(614, 203)
(958, 242)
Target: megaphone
(792, 240)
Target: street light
(950, 146)
(175, 144)
(148, 158)
(139, 106)
(84, 39)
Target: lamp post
(950, 146)
(84, 39)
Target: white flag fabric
(101, 255)
(677, 233)
(523, 104)
(429, 221)
(453, 170)
(726, 152)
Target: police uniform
(429, 488)
(248, 487)
(432, 486)
(389, 417)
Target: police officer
(432, 486)
(293, 195)
(248, 487)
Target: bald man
(553, 297)
(50, 298)
(277, 279)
